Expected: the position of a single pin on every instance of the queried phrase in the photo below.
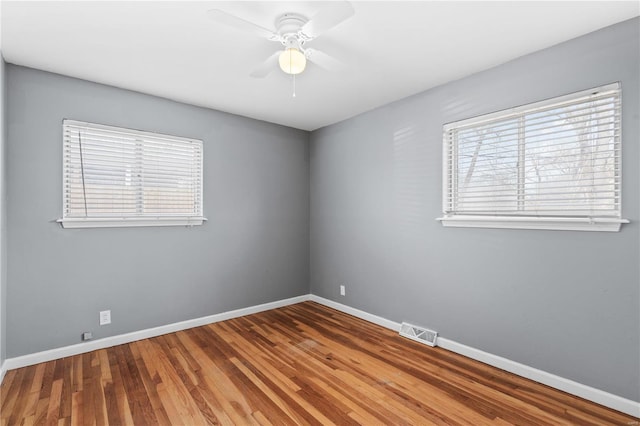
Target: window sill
(119, 222)
(532, 222)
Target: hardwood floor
(302, 364)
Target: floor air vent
(422, 335)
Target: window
(550, 165)
(121, 177)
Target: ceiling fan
(293, 31)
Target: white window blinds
(120, 177)
(554, 161)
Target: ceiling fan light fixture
(292, 61)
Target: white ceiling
(391, 49)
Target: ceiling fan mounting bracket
(290, 24)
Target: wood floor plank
(53, 411)
(21, 403)
(34, 392)
(304, 364)
(12, 395)
(174, 388)
(121, 412)
(150, 384)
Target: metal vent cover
(419, 334)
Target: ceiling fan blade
(266, 67)
(323, 60)
(331, 14)
(225, 18)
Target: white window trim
(609, 224)
(127, 222)
(534, 222)
(131, 221)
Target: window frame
(527, 221)
(138, 219)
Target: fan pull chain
(294, 85)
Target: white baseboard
(49, 355)
(3, 371)
(615, 402)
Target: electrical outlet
(105, 317)
(342, 291)
(87, 335)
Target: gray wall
(254, 248)
(564, 302)
(3, 210)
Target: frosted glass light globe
(292, 61)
